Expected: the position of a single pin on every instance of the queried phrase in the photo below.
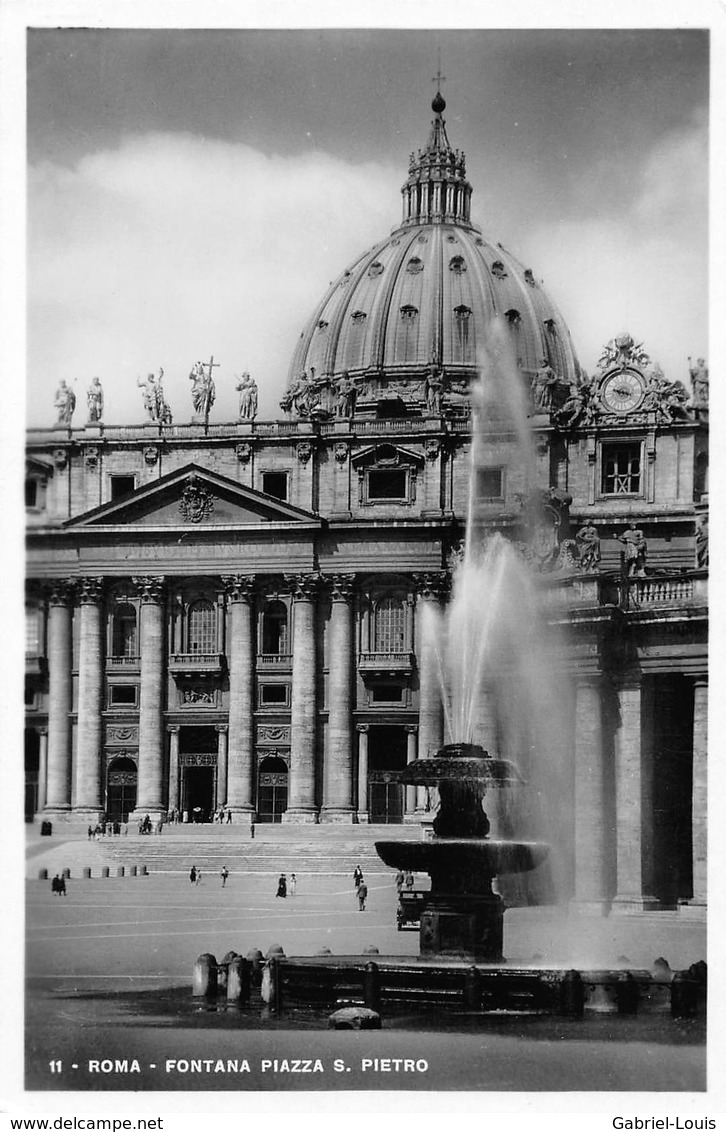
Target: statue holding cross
(203, 390)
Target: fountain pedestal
(464, 927)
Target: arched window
(390, 625)
(124, 631)
(201, 627)
(274, 628)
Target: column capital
(238, 587)
(433, 586)
(90, 590)
(173, 728)
(412, 728)
(341, 586)
(303, 587)
(150, 588)
(222, 728)
(700, 680)
(362, 728)
(60, 591)
(42, 730)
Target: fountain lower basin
(490, 858)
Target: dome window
(375, 268)
(513, 317)
(498, 270)
(451, 240)
(457, 265)
(529, 277)
(322, 325)
(463, 314)
(550, 327)
(408, 313)
(414, 266)
(423, 239)
(359, 317)
(345, 280)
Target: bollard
(132, 870)
(324, 951)
(143, 871)
(238, 980)
(472, 989)
(371, 949)
(372, 986)
(204, 979)
(121, 871)
(684, 996)
(105, 872)
(627, 993)
(572, 995)
(66, 874)
(271, 989)
(86, 874)
(274, 951)
(43, 874)
(255, 958)
(223, 968)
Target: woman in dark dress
(282, 886)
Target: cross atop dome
(437, 189)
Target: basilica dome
(426, 295)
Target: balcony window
(490, 484)
(388, 485)
(390, 625)
(201, 628)
(274, 629)
(124, 641)
(32, 633)
(621, 474)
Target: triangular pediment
(193, 497)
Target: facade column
(221, 765)
(60, 699)
(591, 840)
(411, 754)
(301, 781)
(699, 795)
(88, 801)
(430, 589)
(241, 658)
(174, 799)
(632, 803)
(42, 768)
(150, 798)
(363, 817)
(338, 775)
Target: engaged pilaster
(632, 803)
(338, 772)
(301, 795)
(591, 840)
(239, 589)
(150, 799)
(60, 698)
(88, 802)
(699, 797)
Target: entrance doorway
(32, 769)
(198, 772)
(121, 781)
(386, 753)
(271, 789)
(671, 858)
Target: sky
(193, 192)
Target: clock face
(622, 392)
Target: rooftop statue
(154, 401)
(588, 546)
(543, 384)
(203, 389)
(433, 386)
(65, 403)
(699, 381)
(94, 400)
(635, 550)
(346, 396)
(247, 389)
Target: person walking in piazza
(224, 874)
(199, 876)
(193, 874)
(282, 886)
(357, 875)
(362, 895)
(399, 882)
(293, 884)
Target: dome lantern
(436, 189)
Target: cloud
(643, 267)
(172, 248)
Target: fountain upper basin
(463, 854)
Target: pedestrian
(252, 831)
(293, 884)
(55, 885)
(193, 874)
(229, 817)
(224, 874)
(199, 876)
(399, 882)
(362, 895)
(357, 875)
(90, 832)
(408, 881)
(62, 886)
(282, 886)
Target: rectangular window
(387, 694)
(275, 483)
(490, 484)
(621, 469)
(121, 486)
(386, 485)
(274, 695)
(32, 636)
(31, 493)
(125, 695)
